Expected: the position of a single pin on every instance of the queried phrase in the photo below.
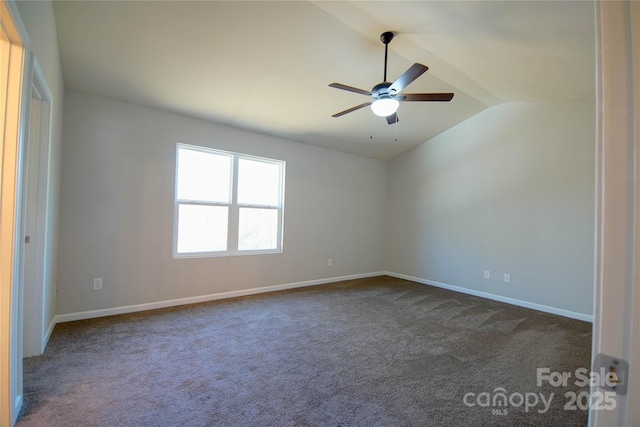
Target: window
(227, 203)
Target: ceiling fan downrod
(386, 38)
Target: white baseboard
(203, 298)
(513, 301)
(60, 318)
(47, 334)
(17, 406)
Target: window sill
(225, 254)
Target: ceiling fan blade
(350, 89)
(426, 97)
(415, 71)
(392, 118)
(357, 107)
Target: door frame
(10, 220)
(617, 249)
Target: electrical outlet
(507, 278)
(329, 262)
(487, 274)
(97, 284)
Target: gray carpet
(370, 352)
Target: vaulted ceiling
(266, 65)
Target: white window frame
(234, 206)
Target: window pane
(258, 182)
(203, 176)
(202, 228)
(258, 229)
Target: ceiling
(266, 65)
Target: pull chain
(371, 126)
(396, 138)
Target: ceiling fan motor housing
(380, 89)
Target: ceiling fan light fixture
(386, 95)
(384, 107)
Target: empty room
(319, 213)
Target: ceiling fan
(386, 96)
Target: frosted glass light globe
(384, 107)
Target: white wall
(39, 21)
(510, 190)
(116, 212)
